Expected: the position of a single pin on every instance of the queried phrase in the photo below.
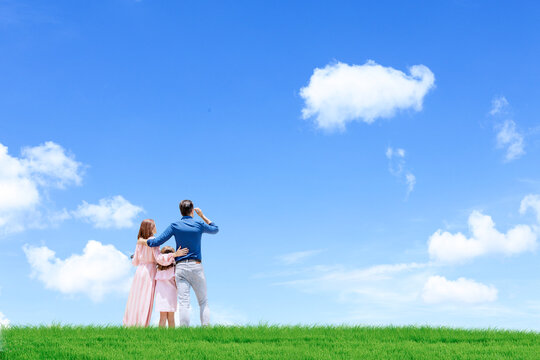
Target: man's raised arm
(209, 227)
(166, 235)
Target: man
(189, 271)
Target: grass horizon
(267, 342)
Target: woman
(141, 295)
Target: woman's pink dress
(141, 295)
(165, 290)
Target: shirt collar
(187, 217)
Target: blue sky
(120, 109)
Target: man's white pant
(191, 274)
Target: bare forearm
(205, 219)
(201, 215)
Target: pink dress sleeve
(163, 259)
(136, 261)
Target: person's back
(188, 233)
(189, 271)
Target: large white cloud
(51, 165)
(113, 212)
(486, 239)
(4, 322)
(23, 179)
(340, 93)
(440, 290)
(99, 270)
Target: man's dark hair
(186, 207)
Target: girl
(166, 291)
(141, 296)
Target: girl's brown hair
(147, 229)
(166, 250)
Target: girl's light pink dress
(141, 295)
(165, 290)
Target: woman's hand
(142, 241)
(181, 252)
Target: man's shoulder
(176, 224)
(182, 222)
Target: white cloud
(486, 239)
(113, 212)
(498, 104)
(4, 322)
(99, 270)
(23, 180)
(531, 201)
(510, 139)
(396, 166)
(399, 153)
(385, 283)
(439, 290)
(51, 165)
(296, 257)
(340, 93)
(410, 179)
(385, 292)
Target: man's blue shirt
(187, 232)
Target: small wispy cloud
(508, 136)
(384, 283)
(297, 257)
(227, 316)
(511, 139)
(396, 166)
(498, 104)
(410, 179)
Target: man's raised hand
(199, 212)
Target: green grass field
(266, 342)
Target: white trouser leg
(198, 282)
(182, 285)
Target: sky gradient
(341, 148)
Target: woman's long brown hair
(147, 229)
